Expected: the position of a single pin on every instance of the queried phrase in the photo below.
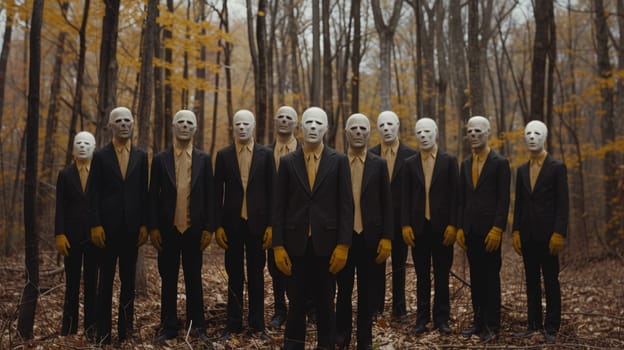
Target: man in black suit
(71, 229)
(539, 229)
(313, 224)
(430, 182)
(394, 152)
(181, 224)
(244, 175)
(119, 208)
(371, 241)
(483, 207)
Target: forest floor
(592, 308)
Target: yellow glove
(556, 243)
(98, 237)
(282, 261)
(62, 244)
(449, 235)
(142, 236)
(156, 240)
(461, 239)
(221, 238)
(493, 238)
(338, 258)
(206, 237)
(267, 240)
(516, 243)
(408, 235)
(384, 248)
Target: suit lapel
(420, 173)
(487, 167)
(436, 168)
(546, 167)
(526, 178)
(323, 167)
(300, 170)
(132, 161)
(75, 178)
(195, 167)
(234, 163)
(368, 172)
(398, 162)
(170, 165)
(112, 155)
(254, 164)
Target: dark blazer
(487, 204)
(327, 208)
(71, 218)
(119, 204)
(543, 211)
(396, 181)
(442, 193)
(376, 201)
(163, 192)
(229, 189)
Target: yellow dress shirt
(356, 163)
(244, 154)
(183, 161)
(428, 162)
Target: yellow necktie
(84, 174)
(244, 163)
(281, 151)
(428, 172)
(475, 170)
(390, 158)
(123, 161)
(183, 181)
(533, 173)
(311, 169)
(357, 170)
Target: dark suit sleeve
(154, 193)
(144, 196)
(219, 182)
(209, 187)
(517, 203)
(345, 198)
(453, 190)
(269, 181)
(502, 195)
(59, 216)
(561, 197)
(461, 197)
(93, 192)
(280, 191)
(386, 201)
(406, 193)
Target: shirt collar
(248, 146)
(394, 146)
(482, 154)
(361, 156)
(433, 152)
(291, 144)
(178, 148)
(538, 158)
(83, 163)
(316, 152)
(119, 146)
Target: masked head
(184, 125)
(358, 131)
(121, 123)
(535, 133)
(388, 126)
(84, 145)
(314, 125)
(478, 130)
(244, 125)
(426, 131)
(286, 120)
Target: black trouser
(279, 281)
(126, 252)
(243, 247)
(399, 258)
(310, 272)
(485, 283)
(361, 260)
(82, 256)
(186, 245)
(536, 257)
(428, 247)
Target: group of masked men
(316, 217)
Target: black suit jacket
(163, 192)
(487, 204)
(71, 218)
(442, 193)
(376, 201)
(327, 208)
(229, 189)
(272, 147)
(119, 205)
(396, 180)
(543, 211)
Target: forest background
(65, 64)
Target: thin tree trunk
(328, 103)
(474, 59)
(158, 131)
(356, 55)
(168, 37)
(542, 12)
(30, 294)
(457, 61)
(315, 82)
(443, 73)
(294, 66)
(386, 37)
(200, 93)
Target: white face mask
(286, 120)
(535, 134)
(121, 123)
(478, 130)
(244, 125)
(388, 126)
(358, 131)
(184, 125)
(84, 145)
(426, 133)
(314, 125)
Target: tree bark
(30, 294)
(356, 55)
(258, 52)
(315, 81)
(457, 61)
(168, 37)
(474, 60)
(386, 37)
(443, 73)
(200, 93)
(159, 106)
(293, 36)
(327, 82)
(543, 10)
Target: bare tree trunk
(184, 98)
(168, 36)
(30, 294)
(258, 52)
(159, 117)
(328, 103)
(271, 56)
(200, 93)
(315, 82)
(542, 12)
(294, 67)
(457, 60)
(356, 55)
(107, 75)
(474, 59)
(443, 73)
(386, 37)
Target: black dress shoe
(550, 337)
(162, 338)
(473, 329)
(277, 321)
(400, 318)
(526, 333)
(487, 336)
(444, 329)
(419, 329)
